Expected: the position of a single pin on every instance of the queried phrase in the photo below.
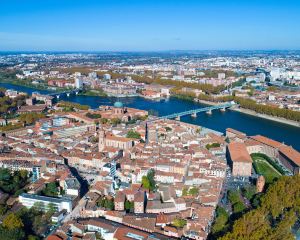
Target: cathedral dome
(118, 105)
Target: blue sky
(152, 25)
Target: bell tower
(101, 143)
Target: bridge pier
(177, 118)
(194, 115)
(209, 112)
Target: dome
(118, 105)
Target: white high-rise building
(78, 82)
(106, 76)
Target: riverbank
(26, 84)
(271, 118)
(253, 113)
(93, 93)
(218, 121)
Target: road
(76, 211)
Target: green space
(179, 222)
(25, 223)
(148, 181)
(51, 190)
(271, 215)
(213, 145)
(70, 106)
(194, 191)
(9, 105)
(21, 223)
(274, 216)
(129, 206)
(263, 167)
(13, 182)
(93, 92)
(133, 134)
(93, 115)
(107, 203)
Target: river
(218, 121)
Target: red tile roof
(238, 152)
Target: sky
(149, 25)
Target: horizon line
(149, 51)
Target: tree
(249, 192)
(233, 196)
(129, 206)
(238, 207)
(3, 209)
(145, 182)
(179, 223)
(23, 174)
(30, 118)
(103, 120)
(12, 234)
(221, 221)
(51, 190)
(116, 121)
(150, 176)
(12, 221)
(133, 134)
(93, 115)
(213, 145)
(274, 217)
(185, 191)
(51, 208)
(168, 129)
(38, 206)
(194, 191)
(31, 237)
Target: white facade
(78, 83)
(28, 200)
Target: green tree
(51, 209)
(274, 217)
(233, 196)
(239, 207)
(249, 192)
(133, 134)
(179, 222)
(221, 222)
(185, 191)
(129, 206)
(115, 121)
(12, 234)
(146, 182)
(103, 120)
(12, 221)
(51, 190)
(194, 191)
(3, 209)
(31, 237)
(38, 206)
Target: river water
(218, 121)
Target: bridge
(68, 93)
(194, 112)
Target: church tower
(101, 143)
